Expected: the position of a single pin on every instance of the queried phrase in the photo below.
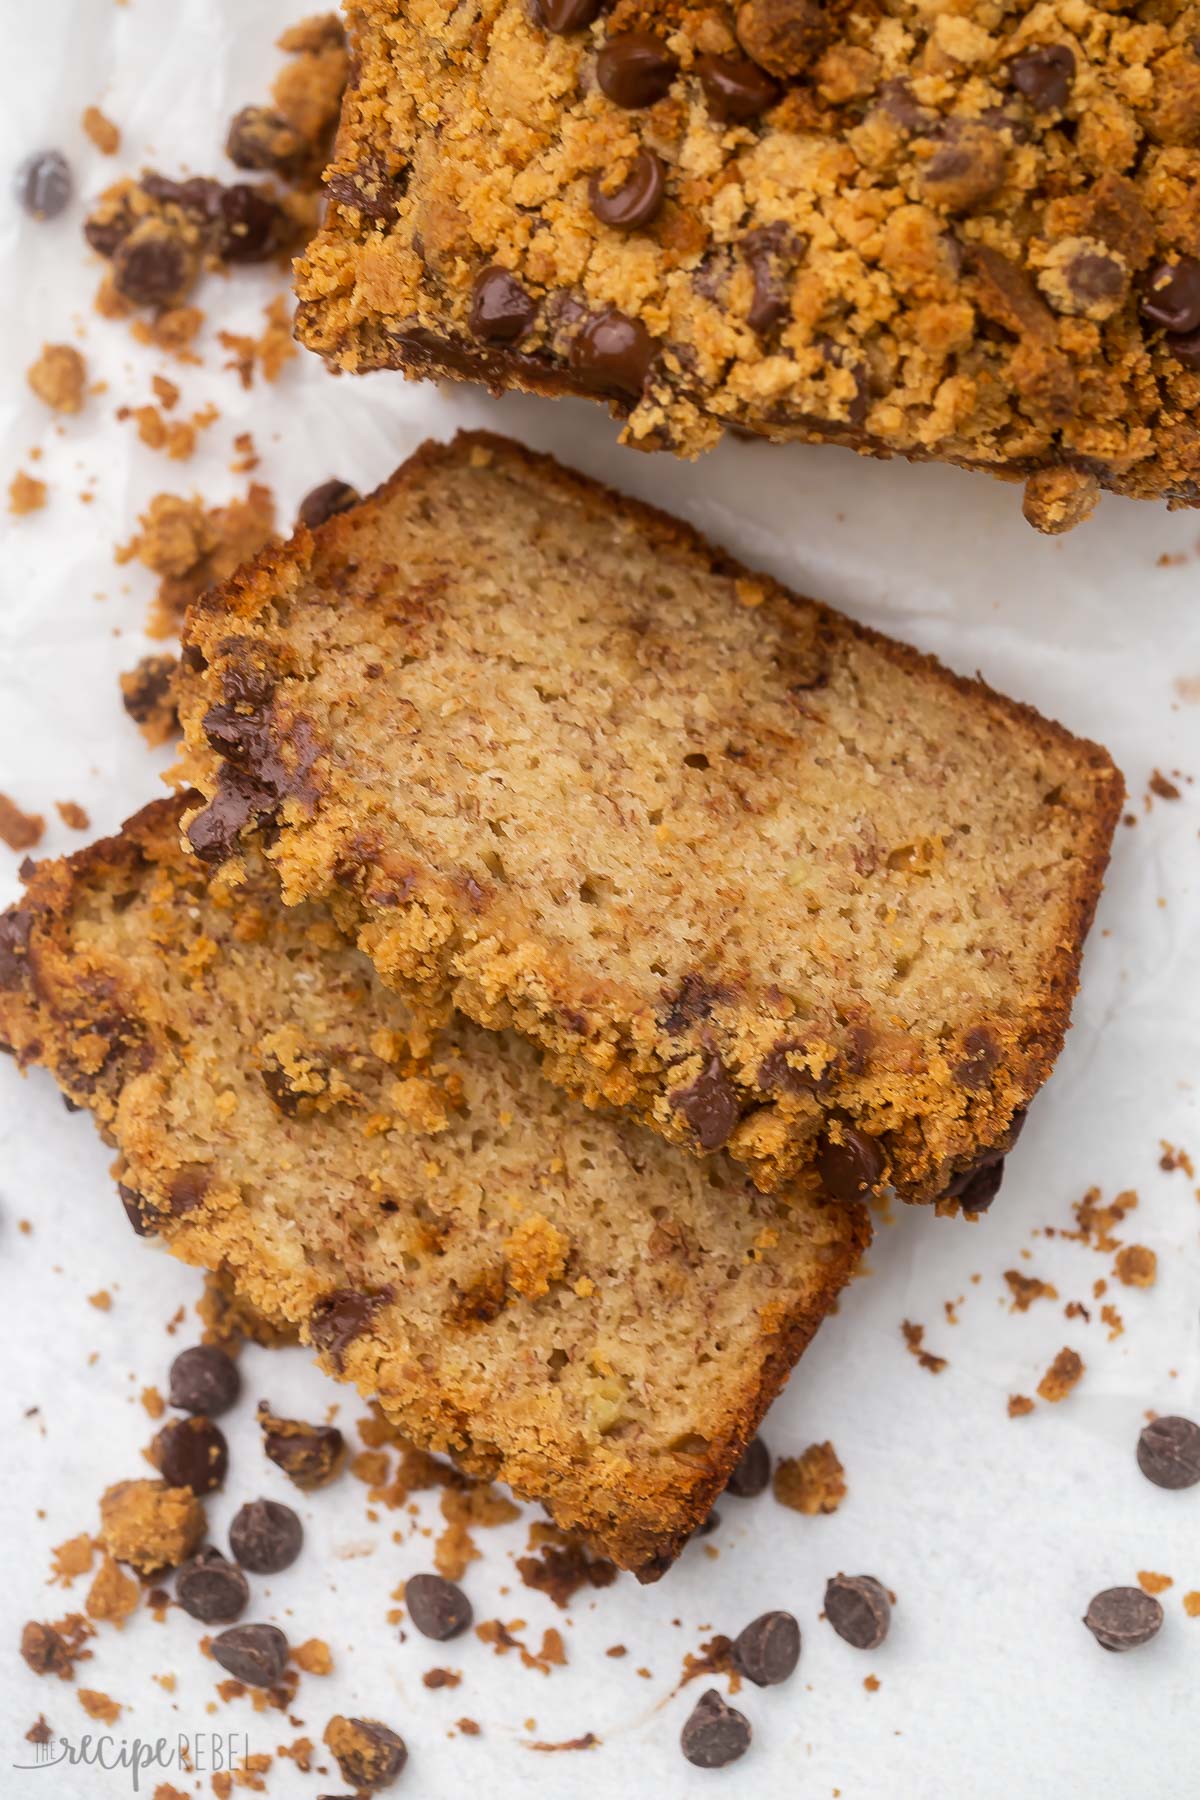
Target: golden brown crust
(424, 928)
(281, 1118)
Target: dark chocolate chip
(858, 1608)
(44, 184)
(899, 104)
(1045, 76)
(751, 1472)
(637, 201)
(341, 1317)
(1184, 347)
(635, 69)
(501, 310)
(212, 1589)
(851, 1168)
(213, 834)
(980, 1055)
(1168, 1452)
(613, 354)
(692, 1001)
(16, 927)
(714, 1733)
(309, 1455)
(260, 138)
(204, 1380)
(709, 1104)
(370, 188)
(252, 226)
(977, 1189)
(265, 1536)
(192, 1453)
(438, 1608)
(561, 17)
(736, 89)
(1123, 1618)
(708, 1525)
(767, 1651)
(769, 250)
(1171, 296)
(967, 168)
(255, 1654)
(140, 1214)
(199, 195)
(188, 1188)
(153, 266)
(70, 1105)
(777, 1074)
(1094, 279)
(323, 502)
(368, 1754)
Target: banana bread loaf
(557, 1298)
(962, 233)
(767, 879)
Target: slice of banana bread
(557, 1298)
(773, 882)
(958, 233)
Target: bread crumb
(98, 1706)
(101, 1300)
(1151, 1583)
(314, 1657)
(165, 392)
(812, 1483)
(150, 1525)
(189, 546)
(72, 1558)
(55, 1649)
(1062, 1375)
(1191, 1603)
(536, 1253)
(1136, 1266)
(268, 352)
(1165, 790)
(104, 134)
(871, 1683)
(113, 1595)
(1019, 1405)
(58, 377)
(153, 1402)
(72, 815)
(1026, 1289)
(914, 1336)
(1114, 1321)
(441, 1678)
(19, 830)
(25, 494)
(148, 696)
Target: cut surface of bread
(771, 881)
(556, 1298)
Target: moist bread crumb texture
(556, 1298)
(768, 880)
(967, 233)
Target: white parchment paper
(994, 1533)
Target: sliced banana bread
(557, 1298)
(769, 880)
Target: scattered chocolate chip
(613, 354)
(192, 1453)
(635, 69)
(1168, 1452)
(637, 201)
(309, 1455)
(736, 89)
(153, 266)
(1123, 1618)
(262, 139)
(501, 310)
(851, 1168)
(342, 1316)
(436, 1607)
(252, 226)
(368, 1754)
(858, 1608)
(1045, 76)
(1171, 295)
(709, 1104)
(751, 1472)
(323, 502)
(255, 1654)
(784, 37)
(44, 184)
(265, 1536)
(767, 1651)
(204, 1380)
(188, 1188)
(561, 17)
(714, 1733)
(212, 1589)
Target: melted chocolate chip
(370, 188)
(735, 89)
(43, 184)
(192, 1453)
(501, 310)
(1045, 76)
(561, 17)
(438, 1608)
(850, 1168)
(693, 1001)
(255, 1654)
(252, 227)
(714, 1733)
(16, 926)
(709, 1104)
(211, 1589)
(858, 1608)
(1171, 296)
(204, 1380)
(187, 1191)
(980, 1055)
(635, 69)
(637, 201)
(1094, 280)
(321, 503)
(265, 1536)
(153, 266)
(1123, 1618)
(612, 354)
(770, 251)
(778, 1075)
(976, 1190)
(341, 1317)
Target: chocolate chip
(501, 310)
(751, 1472)
(436, 1607)
(1095, 279)
(777, 1074)
(16, 927)
(370, 188)
(215, 830)
(784, 37)
(1171, 296)
(709, 1104)
(204, 1380)
(714, 1733)
(1123, 1618)
(44, 184)
(265, 1536)
(260, 138)
(980, 1055)
(967, 169)
(635, 69)
(637, 201)
(199, 195)
(858, 1608)
(692, 1001)
(1168, 1452)
(851, 1168)
(192, 1453)
(252, 226)
(321, 503)
(976, 1190)
(736, 89)
(255, 1654)
(368, 1754)
(153, 266)
(561, 17)
(189, 1185)
(613, 354)
(309, 1455)
(342, 1316)
(1045, 76)
(212, 1589)
(770, 250)
(1184, 347)
(767, 1651)
(138, 1211)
